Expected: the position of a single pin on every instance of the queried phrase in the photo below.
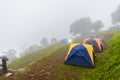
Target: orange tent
(96, 42)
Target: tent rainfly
(80, 54)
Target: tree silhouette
(53, 41)
(85, 25)
(81, 26)
(11, 54)
(44, 42)
(97, 25)
(34, 47)
(116, 16)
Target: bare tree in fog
(116, 16)
(53, 41)
(44, 42)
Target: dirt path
(43, 69)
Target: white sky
(28, 21)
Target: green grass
(110, 61)
(29, 58)
(53, 52)
(107, 65)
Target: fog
(26, 22)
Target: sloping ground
(109, 66)
(27, 59)
(52, 67)
(42, 68)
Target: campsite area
(51, 66)
(60, 40)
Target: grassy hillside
(109, 62)
(52, 67)
(27, 59)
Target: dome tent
(96, 42)
(80, 54)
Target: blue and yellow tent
(80, 54)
